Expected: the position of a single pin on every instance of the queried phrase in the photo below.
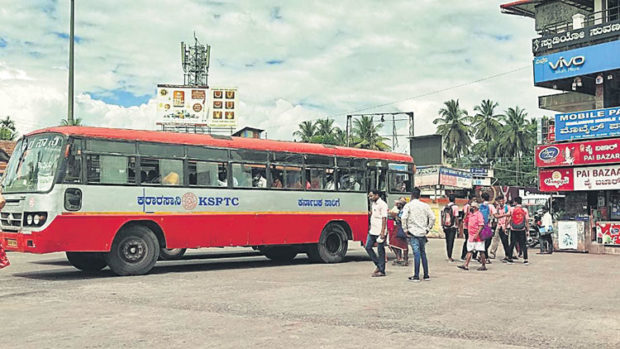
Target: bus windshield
(33, 165)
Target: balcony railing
(594, 18)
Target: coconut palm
(517, 135)
(76, 122)
(454, 124)
(366, 134)
(307, 130)
(487, 126)
(7, 129)
(325, 128)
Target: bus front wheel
(134, 251)
(332, 246)
(87, 261)
(168, 254)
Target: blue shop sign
(587, 124)
(585, 60)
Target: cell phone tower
(195, 62)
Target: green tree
(454, 126)
(487, 125)
(517, 137)
(306, 130)
(76, 122)
(366, 134)
(8, 131)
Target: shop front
(588, 173)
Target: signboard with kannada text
(551, 180)
(426, 176)
(181, 104)
(602, 151)
(580, 178)
(588, 124)
(452, 177)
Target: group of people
(484, 225)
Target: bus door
(376, 177)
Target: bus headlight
(34, 219)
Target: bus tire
(279, 253)
(134, 251)
(332, 245)
(87, 261)
(168, 254)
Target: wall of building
(553, 12)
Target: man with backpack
(449, 223)
(489, 214)
(520, 229)
(501, 231)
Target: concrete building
(577, 54)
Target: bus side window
(110, 169)
(350, 180)
(249, 175)
(149, 169)
(73, 172)
(400, 182)
(171, 171)
(317, 178)
(210, 174)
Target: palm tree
(76, 122)
(366, 134)
(7, 129)
(325, 127)
(307, 130)
(517, 135)
(487, 126)
(454, 126)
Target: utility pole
(70, 101)
(349, 130)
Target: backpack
(517, 220)
(447, 216)
(486, 212)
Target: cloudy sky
(291, 60)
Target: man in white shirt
(377, 232)
(418, 219)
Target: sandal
(463, 267)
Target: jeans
(518, 236)
(464, 251)
(380, 260)
(419, 250)
(450, 235)
(500, 234)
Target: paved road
(231, 298)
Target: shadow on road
(213, 262)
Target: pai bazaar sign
(608, 233)
(579, 153)
(597, 178)
(558, 179)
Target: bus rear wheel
(279, 253)
(168, 254)
(332, 246)
(87, 261)
(134, 251)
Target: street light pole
(70, 102)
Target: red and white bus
(124, 198)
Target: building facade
(577, 54)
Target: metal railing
(599, 17)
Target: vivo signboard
(581, 61)
(602, 151)
(587, 124)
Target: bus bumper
(20, 242)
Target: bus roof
(224, 142)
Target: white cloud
(336, 57)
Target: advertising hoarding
(181, 104)
(580, 178)
(426, 176)
(603, 151)
(452, 177)
(427, 150)
(608, 233)
(580, 61)
(223, 111)
(587, 124)
(575, 36)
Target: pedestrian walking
(474, 242)
(546, 232)
(397, 239)
(449, 224)
(4, 260)
(465, 222)
(520, 227)
(418, 219)
(501, 231)
(377, 231)
(489, 213)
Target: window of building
(110, 169)
(210, 174)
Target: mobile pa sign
(581, 61)
(587, 124)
